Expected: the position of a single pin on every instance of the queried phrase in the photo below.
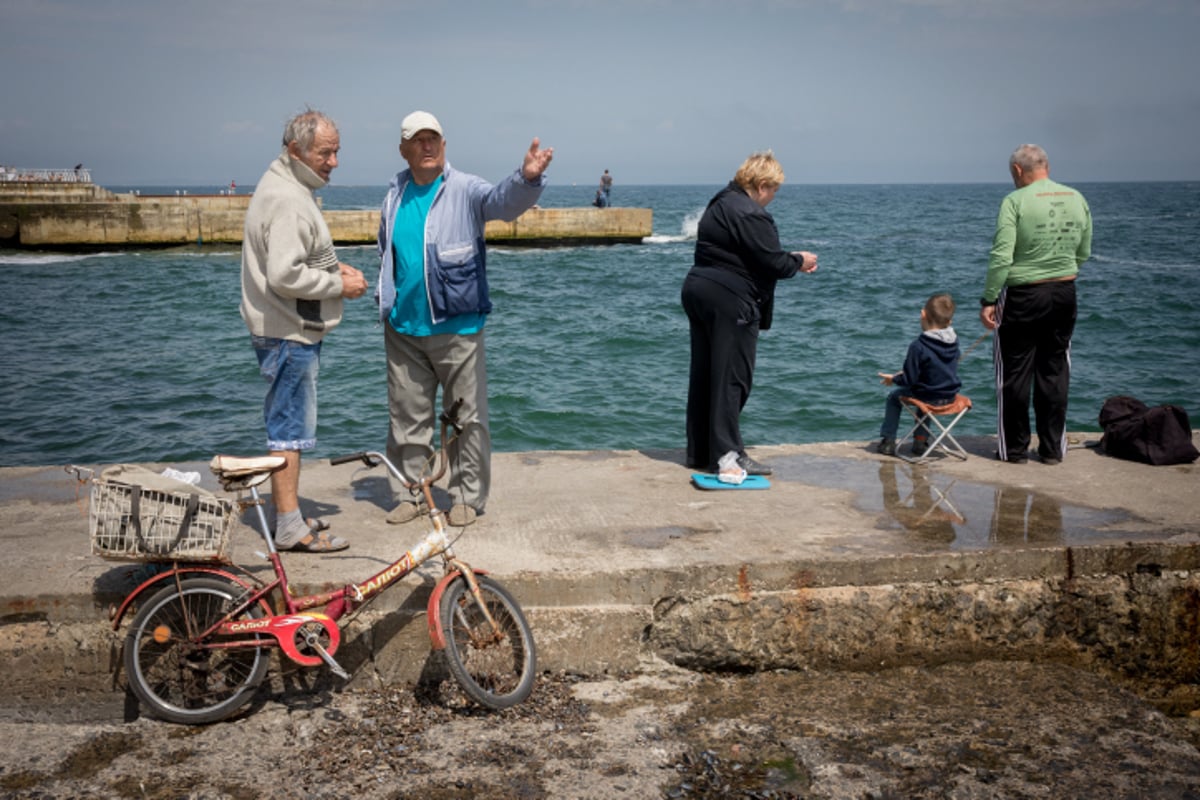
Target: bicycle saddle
(239, 472)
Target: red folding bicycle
(200, 640)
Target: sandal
(315, 524)
(317, 542)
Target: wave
(37, 259)
(1130, 262)
(24, 259)
(687, 230)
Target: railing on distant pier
(17, 175)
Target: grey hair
(1029, 157)
(302, 128)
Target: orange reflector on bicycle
(162, 634)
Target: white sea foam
(687, 230)
(38, 259)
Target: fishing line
(974, 344)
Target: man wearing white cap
(433, 301)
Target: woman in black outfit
(728, 295)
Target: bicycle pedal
(334, 666)
(336, 669)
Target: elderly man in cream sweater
(292, 291)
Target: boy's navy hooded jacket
(931, 366)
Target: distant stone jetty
(62, 209)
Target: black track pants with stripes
(1033, 350)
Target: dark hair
(939, 310)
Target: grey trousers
(416, 367)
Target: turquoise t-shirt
(410, 313)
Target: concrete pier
(83, 216)
(850, 560)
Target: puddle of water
(951, 512)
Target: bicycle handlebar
(362, 456)
(449, 419)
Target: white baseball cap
(419, 121)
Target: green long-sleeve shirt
(1043, 232)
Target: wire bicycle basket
(135, 514)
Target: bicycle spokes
(489, 646)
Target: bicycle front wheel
(494, 666)
(180, 677)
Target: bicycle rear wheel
(182, 679)
(495, 667)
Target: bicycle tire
(173, 677)
(496, 671)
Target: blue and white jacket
(455, 256)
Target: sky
(163, 92)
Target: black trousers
(724, 335)
(1033, 349)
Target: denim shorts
(290, 409)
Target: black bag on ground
(1134, 431)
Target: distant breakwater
(84, 216)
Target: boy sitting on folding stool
(930, 372)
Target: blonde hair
(760, 169)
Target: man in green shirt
(1043, 234)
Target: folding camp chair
(929, 417)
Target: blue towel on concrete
(704, 481)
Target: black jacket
(737, 245)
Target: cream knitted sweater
(291, 281)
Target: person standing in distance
(606, 187)
(292, 291)
(433, 301)
(1043, 234)
(729, 296)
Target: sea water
(142, 355)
